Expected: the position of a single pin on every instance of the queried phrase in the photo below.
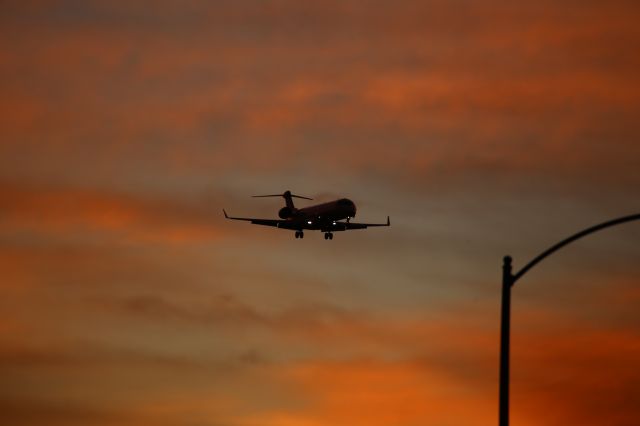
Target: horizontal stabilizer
(287, 194)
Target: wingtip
(225, 214)
(388, 221)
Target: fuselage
(323, 215)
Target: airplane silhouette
(324, 217)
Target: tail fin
(288, 198)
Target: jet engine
(286, 213)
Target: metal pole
(507, 280)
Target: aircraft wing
(266, 222)
(345, 226)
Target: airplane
(324, 217)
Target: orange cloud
(533, 89)
(373, 392)
(580, 377)
(417, 92)
(83, 212)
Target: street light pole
(508, 280)
(505, 334)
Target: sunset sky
(482, 127)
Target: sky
(483, 128)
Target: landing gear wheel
(301, 234)
(297, 234)
(330, 235)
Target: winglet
(388, 221)
(225, 214)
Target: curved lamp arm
(572, 238)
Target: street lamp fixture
(508, 280)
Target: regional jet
(326, 217)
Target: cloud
(534, 90)
(389, 370)
(85, 212)
(581, 377)
(98, 384)
(374, 392)
(227, 311)
(117, 117)
(32, 412)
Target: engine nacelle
(286, 213)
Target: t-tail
(290, 210)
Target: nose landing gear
(328, 236)
(299, 234)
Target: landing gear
(299, 234)
(328, 236)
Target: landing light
(309, 222)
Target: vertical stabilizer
(288, 199)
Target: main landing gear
(327, 235)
